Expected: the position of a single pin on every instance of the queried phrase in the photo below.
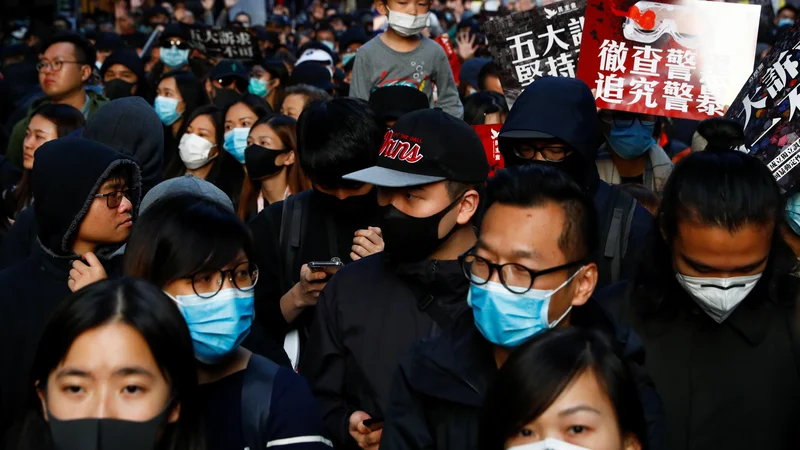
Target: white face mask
(718, 297)
(548, 444)
(194, 151)
(406, 24)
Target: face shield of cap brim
(675, 20)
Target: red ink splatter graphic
(646, 20)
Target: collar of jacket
(437, 277)
(594, 315)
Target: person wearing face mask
(227, 83)
(524, 279)
(173, 51)
(554, 122)
(429, 171)
(564, 390)
(326, 35)
(178, 95)
(194, 247)
(715, 306)
(402, 56)
(268, 81)
(124, 76)
(349, 43)
(631, 154)
(129, 326)
(334, 219)
(785, 18)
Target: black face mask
(260, 161)
(104, 434)
(224, 98)
(118, 88)
(411, 239)
(353, 206)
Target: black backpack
(259, 378)
(616, 229)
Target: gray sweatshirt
(378, 66)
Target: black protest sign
(536, 43)
(769, 109)
(224, 43)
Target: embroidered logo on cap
(401, 147)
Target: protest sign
(677, 58)
(452, 57)
(535, 43)
(769, 109)
(489, 137)
(221, 43)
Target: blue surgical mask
(218, 325)
(634, 141)
(347, 58)
(236, 142)
(507, 319)
(167, 110)
(785, 22)
(258, 87)
(331, 45)
(793, 213)
(174, 57)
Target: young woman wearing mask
(201, 153)
(564, 389)
(114, 369)
(199, 252)
(271, 160)
(178, 95)
(50, 121)
(268, 82)
(715, 306)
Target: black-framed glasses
(549, 153)
(517, 278)
(208, 283)
(54, 66)
(622, 119)
(114, 199)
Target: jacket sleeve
(406, 425)
(360, 85)
(294, 419)
(20, 240)
(324, 364)
(449, 100)
(14, 150)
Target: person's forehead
(535, 228)
(60, 49)
(540, 142)
(718, 247)
(119, 68)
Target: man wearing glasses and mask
(524, 279)
(554, 122)
(65, 67)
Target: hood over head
(187, 184)
(128, 58)
(130, 126)
(68, 173)
(555, 107)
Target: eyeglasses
(175, 42)
(54, 66)
(626, 119)
(549, 153)
(208, 283)
(114, 199)
(517, 278)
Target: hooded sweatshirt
(68, 173)
(128, 58)
(128, 125)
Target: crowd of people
(306, 250)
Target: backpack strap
(427, 303)
(618, 231)
(259, 378)
(292, 229)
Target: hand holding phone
(374, 424)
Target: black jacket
(438, 391)
(366, 319)
(734, 385)
(69, 171)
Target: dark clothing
(221, 402)
(438, 392)
(734, 385)
(33, 289)
(325, 223)
(128, 58)
(366, 319)
(639, 179)
(20, 241)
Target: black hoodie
(128, 125)
(68, 172)
(128, 58)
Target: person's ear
(289, 159)
(380, 6)
(277, 83)
(468, 207)
(86, 72)
(631, 442)
(585, 282)
(175, 414)
(40, 393)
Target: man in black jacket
(530, 270)
(554, 122)
(87, 196)
(429, 171)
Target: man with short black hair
(526, 278)
(65, 66)
(430, 170)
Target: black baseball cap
(312, 74)
(425, 147)
(393, 102)
(229, 68)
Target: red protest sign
(488, 135)
(676, 58)
(452, 57)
